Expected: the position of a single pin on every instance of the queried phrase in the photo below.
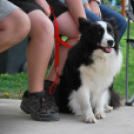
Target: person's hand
(95, 7)
(87, 6)
(47, 9)
(45, 6)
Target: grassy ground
(120, 79)
(13, 86)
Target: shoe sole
(25, 109)
(47, 117)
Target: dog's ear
(83, 25)
(112, 21)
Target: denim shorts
(6, 8)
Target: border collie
(86, 85)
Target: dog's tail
(114, 98)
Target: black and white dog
(86, 86)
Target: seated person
(96, 11)
(36, 100)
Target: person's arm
(94, 4)
(99, 2)
(44, 6)
(76, 9)
(86, 5)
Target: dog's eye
(99, 33)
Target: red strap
(58, 41)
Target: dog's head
(101, 34)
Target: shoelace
(46, 102)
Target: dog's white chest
(99, 75)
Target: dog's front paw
(100, 115)
(108, 109)
(90, 119)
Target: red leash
(58, 41)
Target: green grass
(15, 85)
(12, 84)
(120, 80)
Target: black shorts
(29, 5)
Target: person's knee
(15, 27)
(47, 28)
(122, 25)
(42, 29)
(16, 22)
(75, 34)
(20, 24)
(72, 32)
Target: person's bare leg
(39, 49)
(67, 27)
(13, 29)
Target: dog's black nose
(110, 43)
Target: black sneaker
(41, 106)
